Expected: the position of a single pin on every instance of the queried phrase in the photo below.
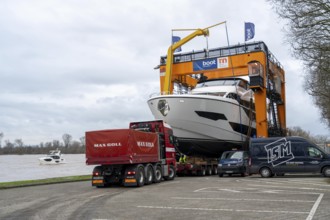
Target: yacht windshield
(227, 82)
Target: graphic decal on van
(279, 152)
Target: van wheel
(326, 171)
(265, 172)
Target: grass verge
(7, 185)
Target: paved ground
(289, 197)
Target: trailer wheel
(215, 171)
(171, 173)
(149, 174)
(158, 174)
(265, 172)
(140, 176)
(209, 171)
(202, 172)
(326, 171)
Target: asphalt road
(289, 197)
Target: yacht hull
(204, 125)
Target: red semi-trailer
(142, 154)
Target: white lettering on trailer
(168, 149)
(144, 144)
(114, 144)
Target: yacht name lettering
(115, 144)
(145, 144)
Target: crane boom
(169, 63)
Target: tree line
(68, 146)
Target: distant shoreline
(24, 150)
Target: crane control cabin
(253, 60)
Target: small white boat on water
(53, 157)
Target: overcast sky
(70, 66)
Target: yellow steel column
(261, 112)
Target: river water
(27, 167)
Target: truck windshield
(232, 155)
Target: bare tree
(308, 32)
(67, 139)
(19, 143)
(83, 141)
(1, 136)
(8, 144)
(56, 143)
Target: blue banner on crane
(249, 31)
(174, 40)
(205, 64)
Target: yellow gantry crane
(267, 76)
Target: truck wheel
(149, 175)
(220, 174)
(265, 172)
(158, 174)
(140, 176)
(326, 171)
(171, 173)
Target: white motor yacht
(53, 157)
(215, 116)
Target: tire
(99, 169)
(202, 172)
(220, 174)
(172, 173)
(158, 174)
(215, 171)
(140, 175)
(209, 171)
(243, 174)
(326, 171)
(149, 174)
(265, 172)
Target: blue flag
(174, 40)
(249, 31)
